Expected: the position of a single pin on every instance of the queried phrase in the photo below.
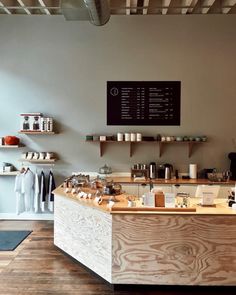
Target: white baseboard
(27, 216)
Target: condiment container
(159, 199)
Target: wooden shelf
(10, 146)
(190, 145)
(44, 162)
(12, 173)
(161, 144)
(37, 132)
(131, 144)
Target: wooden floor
(38, 267)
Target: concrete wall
(60, 69)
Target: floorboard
(37, 267)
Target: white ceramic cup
(119, 136)
(139, 137)
(127, 136)
(133, 137)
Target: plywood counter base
(155, 249)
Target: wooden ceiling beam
(165, 4)
(134, 5)
(5, 8)
(227, 5)
(208, 4)
(128, 3)
(24, 7)
(187, 4)
(145, 4)
(41, 2)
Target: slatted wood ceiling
(125, 7)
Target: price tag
(80, 194)
(110, 204)
(169, 200)
(98, 200)
(207, 198)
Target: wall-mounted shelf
(130, 143)
(12, 173)
(11, 146)
(37, 132)
(161, 144)
(40, 162)
(190, 145)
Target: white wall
(60, 69)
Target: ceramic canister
(133, 137)
(119, 136)
(139, 137)
(127, 137)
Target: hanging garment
(19, 196)
(43, 192)
(27, 188)
(36, 193)
(51, 187)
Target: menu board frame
(139, 103)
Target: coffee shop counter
(178, 247)
(180, 181)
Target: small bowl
(179, 138)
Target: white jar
(49, 155)
(139, 137)
(163, 138)
(193, 171)
(49, 124)
(119, 136)
(42, 155)
(127, 136)
(133, 137)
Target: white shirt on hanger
(27, 189)
(36, 193)
(20, 207)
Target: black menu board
(143, 102)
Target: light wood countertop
(130, 180)
(121, 207)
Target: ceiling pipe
(96, 11)
(99, 11)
